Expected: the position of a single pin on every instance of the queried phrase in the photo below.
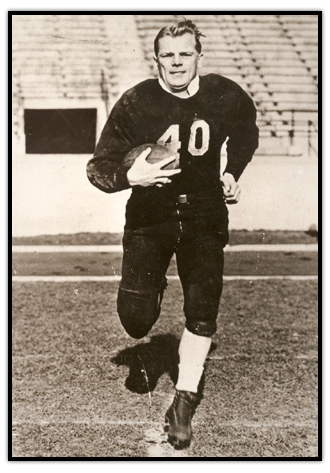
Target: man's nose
(176, 60)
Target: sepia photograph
(165, 235)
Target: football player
(181, 211)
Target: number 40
(171, 136)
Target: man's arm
(241, 145)
(118, 137)
(243, 137)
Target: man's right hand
(145, 174)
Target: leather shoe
(179, 416)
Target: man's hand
(145, 174)
(231, 189)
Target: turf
(101, 264)
(79, 388)
(237, 237)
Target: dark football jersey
(195, 128)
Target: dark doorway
(60, 131)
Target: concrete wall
(278, 193)
(51, 195)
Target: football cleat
(178, 417)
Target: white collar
(192, 89)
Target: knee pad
(139, 311)
(202, 328)
(201, 305)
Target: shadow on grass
(147, 362)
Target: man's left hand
(231, 189)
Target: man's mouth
(177, 72)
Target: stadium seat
(274, 57)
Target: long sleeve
(243, 137)
(118, 137)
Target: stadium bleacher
(273, 57)
(61, 56)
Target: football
(158, 153)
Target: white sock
(193, 350)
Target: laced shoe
(179, 416)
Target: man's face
(178, 61)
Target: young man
(180, 211)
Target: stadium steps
(62, 56)
(127, 55)
(274, 57)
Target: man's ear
(200, 60)
(156, 62)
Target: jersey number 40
(171, 138)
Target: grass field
(242, 263)
(79, 384)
